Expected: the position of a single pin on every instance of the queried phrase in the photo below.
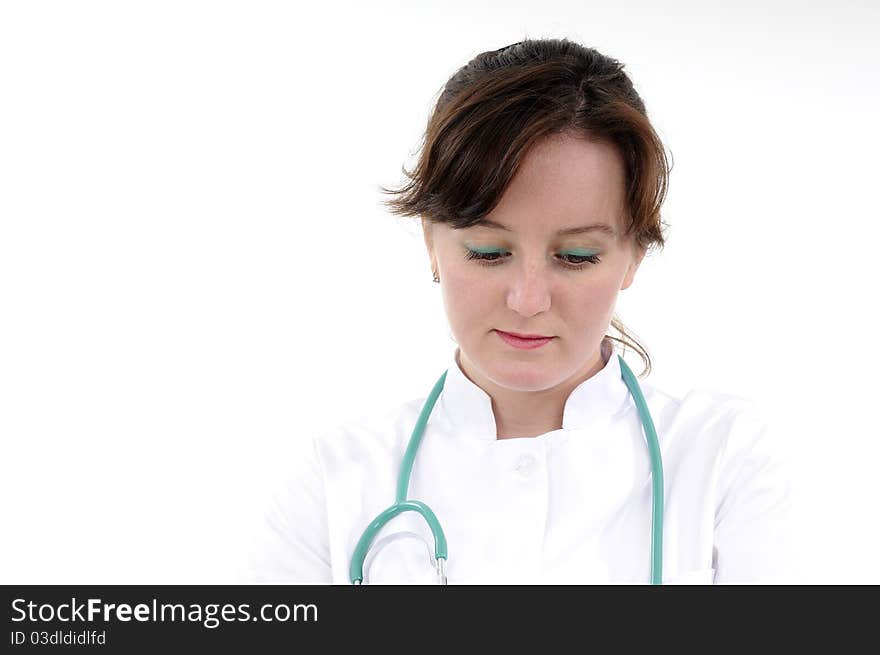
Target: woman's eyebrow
(593, 227)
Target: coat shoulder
(380, 430)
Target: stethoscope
(401, 504)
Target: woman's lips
(525, 343)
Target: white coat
(569, 506)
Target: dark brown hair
(494, 109)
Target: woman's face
(531, 276)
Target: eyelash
(485, 259)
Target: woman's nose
(529, 290)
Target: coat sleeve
(754, 538)
(292, 543)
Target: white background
(196, 270)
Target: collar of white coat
(593, 402)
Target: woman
(539, 189)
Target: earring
(436, 277)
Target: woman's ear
(638, 256)
(428, 232)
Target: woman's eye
(484, 255)
(577, 260)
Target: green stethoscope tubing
(401, 504)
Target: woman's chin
(524, 377)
